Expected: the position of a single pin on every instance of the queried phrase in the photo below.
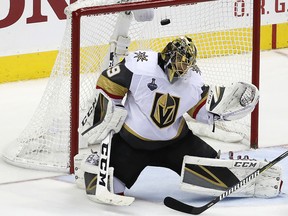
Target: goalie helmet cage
(225, 32)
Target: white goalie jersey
(155, 107)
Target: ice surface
(29, 192)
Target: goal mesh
(221, 30)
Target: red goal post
(76, 16)
(227, 37)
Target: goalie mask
(179, 55)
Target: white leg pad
(81, 165)
(78, 172)
(214, 176)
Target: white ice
(29, 192)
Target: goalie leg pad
(78, 171)
(144, 15)
(214, 176)
(86, 169)
(122, 45)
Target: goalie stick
(102, 192)
(182, 207)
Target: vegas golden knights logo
(164, 109)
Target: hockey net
(222, 31)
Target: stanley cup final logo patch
(152, 85)
(164, 110)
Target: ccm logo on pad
(245, 164)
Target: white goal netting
(221, 30)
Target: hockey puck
(165, 22)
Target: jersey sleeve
(199, 111)
(115, 81)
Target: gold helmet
(179, 55)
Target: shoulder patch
(141, 56)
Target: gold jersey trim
(180, 129)
(111, 87)
(193, 111)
